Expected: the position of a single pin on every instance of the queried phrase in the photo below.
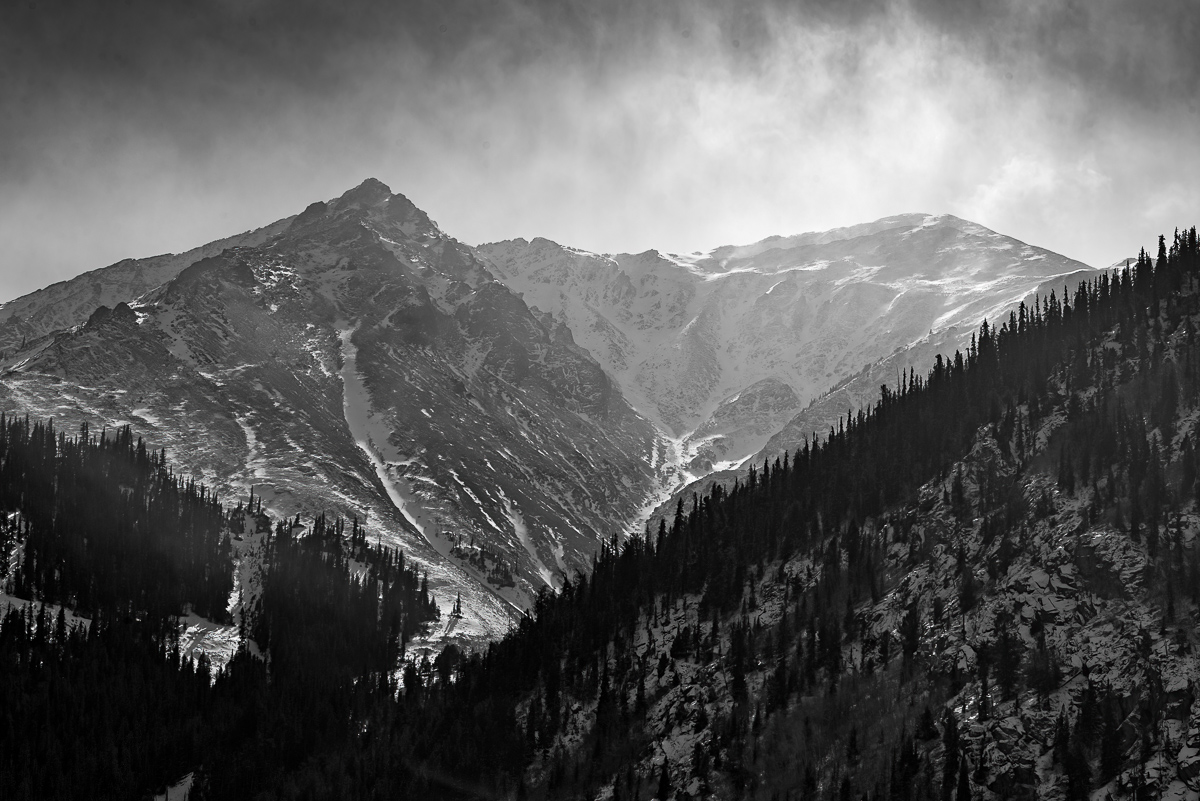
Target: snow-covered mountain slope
(690, 339)
(363, 362)
(859, 391)
(862, 389)
(69, 303)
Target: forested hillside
(985, 586)
(100, 703)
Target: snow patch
(256, 465)
(371, 434)
(522, 531)
(199, 635)
(178, 791)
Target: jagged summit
(370, 192)
(375, 194)
(374, 204)
(368, 195)
(68, 303)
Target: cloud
(139, 127)
(1124, 55)
(1056, 197)
(1013, 185)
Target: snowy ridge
(720, 350)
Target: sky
(136, 127)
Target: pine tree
(963, 793)
(664, 784)
(926, 730)
(1008, 663)
(950, 752)
(1062, 737)
(1079, 775)
(1110, 745)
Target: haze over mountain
(721, 349)
(498, 411)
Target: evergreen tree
(664, 784)
(963, 792)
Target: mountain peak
(370, 192)
(377, 200)
(374, 184)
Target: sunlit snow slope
(722, 349)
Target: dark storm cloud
(230, 54)
(1144, 55)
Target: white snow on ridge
(710, 277)
(179, 791)
(255, 462)
(522, 532)
(369, 431)
(588, 253)
(929, 221)
(200, 635)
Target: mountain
(497, 411)
(985, 585)
(830, 409)
(69, 303)
(361, 362)
(722, 349)
(861, 389)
